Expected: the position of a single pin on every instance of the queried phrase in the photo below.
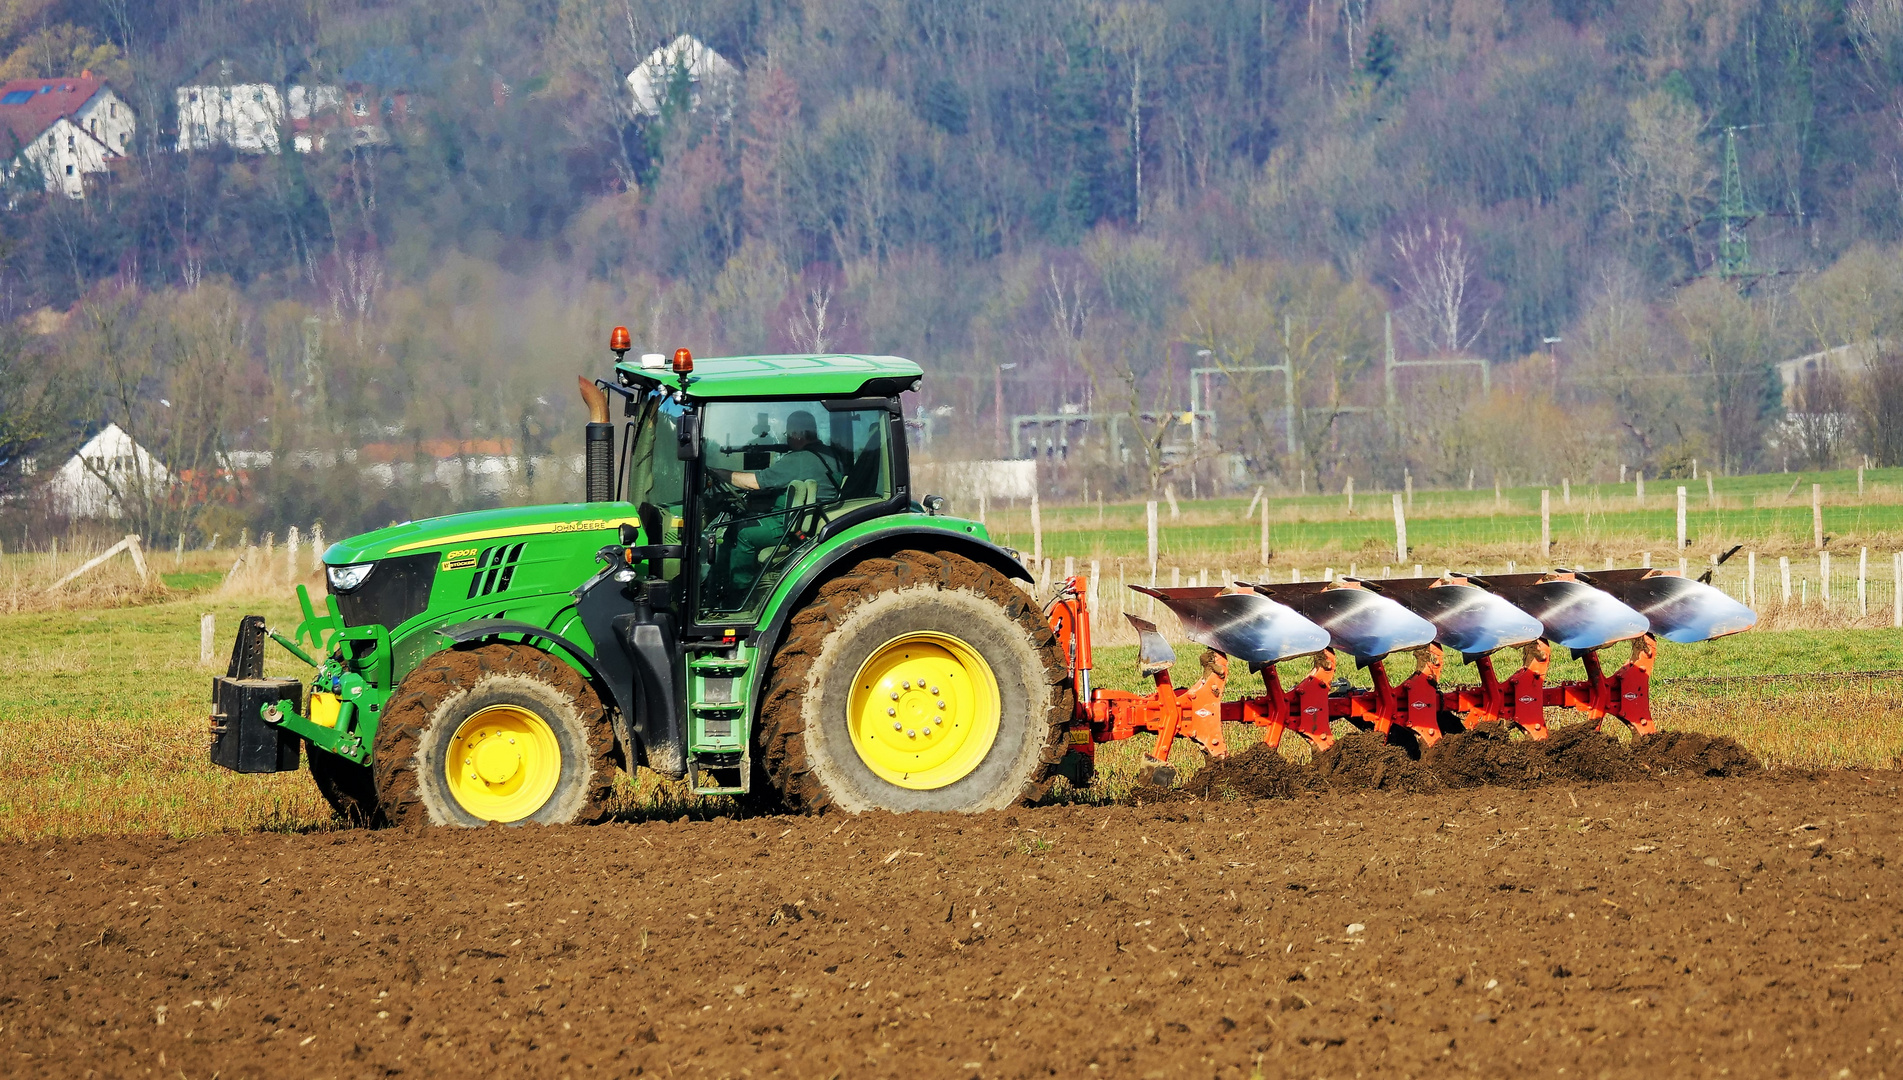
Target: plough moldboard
(1368, 621)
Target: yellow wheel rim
(924, 711)
(503, 763)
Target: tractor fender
(871, 545)
(483, 629)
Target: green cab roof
(797, 376)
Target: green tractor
(751, 598)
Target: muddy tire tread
(399, 795)
(348, 787)
(778, 735)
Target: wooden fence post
(138, 557)
(1400, 530)
(1863, 583)
(1546, 523)
(1150, 511)
(1037, 528)
(1896, 589)
(129, 544)
(1265, 532)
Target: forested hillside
(1632, 211)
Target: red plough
(1370, 621)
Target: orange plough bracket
(1193, 712)
(1302, 709)
(1625, 695)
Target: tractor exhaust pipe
(599, 445)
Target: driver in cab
(804, 459)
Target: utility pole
(997, 401)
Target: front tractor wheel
(920, 682)
(503, 733)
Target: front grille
(396, 590)
(495, 568)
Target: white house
(80, 490)
(711, 78)
(217, 110)
(66, 129)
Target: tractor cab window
(776, 473)
(656, 475)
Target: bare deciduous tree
(1666, 174)
(808, 327)
(1878, 405)
(1436, 275)
(1818, 415)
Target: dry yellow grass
(1804, 723)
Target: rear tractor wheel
(920, 682)
(503, 733)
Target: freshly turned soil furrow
(1485, 756)
(1676, 925)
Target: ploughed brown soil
(1383, 919)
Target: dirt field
(1675, 926)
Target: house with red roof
(66, 128)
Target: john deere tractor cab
(751, 598)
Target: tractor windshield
(777, 472)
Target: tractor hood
(479, 526)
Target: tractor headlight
(346, 578)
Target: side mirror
(933, 504)
(689, 446)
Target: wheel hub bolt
(895, 695)
(896, 726)
(941, 703)
(911, 734)
(934, 691)
(938, 719)
(892, 712)
(905, 684)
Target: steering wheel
(726, 496)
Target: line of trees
(1066, 206)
